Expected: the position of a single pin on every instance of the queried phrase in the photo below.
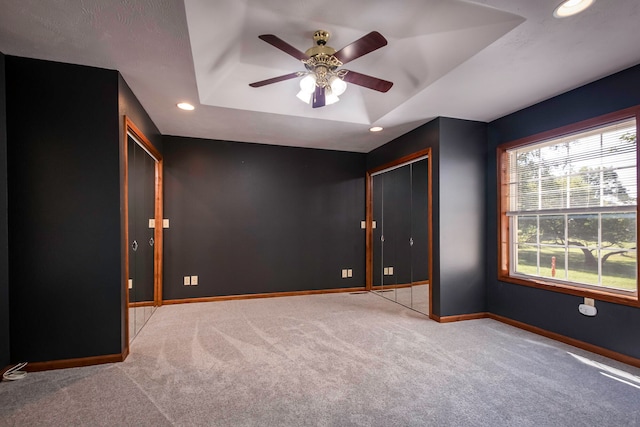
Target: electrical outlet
(130, 283)
(373, 224)
(349, 273)
(152, 223)
(165, 223)
(390, 271)
(194, 280)
(187, 280)
(386, 271)
(344, 273)
(363, 224)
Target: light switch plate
(130, 283)
(194, 280)
(386, 271)
(152, 223)
(390, 271)
(363, 224)
(187, 280)
(349, 273)
(373, 224)
(165, 223)
(344, 273)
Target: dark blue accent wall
(255, 218)
(4, 240)
(616, 326)
(64, 210)
(458, 149)
(66, 269)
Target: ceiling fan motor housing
(321, 61)
(321, 37)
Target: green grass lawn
(618, 272)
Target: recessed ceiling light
(571, 7)
(186, 106)
(376, 129)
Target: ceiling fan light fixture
(304, 96)
(338, 86)
(571, 7)
(308, 84)
(330, 98)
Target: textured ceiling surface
(473, 60)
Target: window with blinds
(571, 205)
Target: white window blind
(584, 172)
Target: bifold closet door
(377, 185)
(420, 221)
(141, 236)
(396, 226)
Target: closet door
(376, 241)
(141, 204)
(420, 222)
(400, 241)
(397, 226)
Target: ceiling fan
(324, 80)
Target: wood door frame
(369, 215)
(131, 128)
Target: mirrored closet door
(400, 234)
(143, 167)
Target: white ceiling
(472, 60)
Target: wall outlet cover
(152, 223)
(194, 280)
(587, 310)
(165, 223)
(187, 280)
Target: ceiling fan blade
(318, 97)
(367, 81)
(277, 42)
(274, 80)
(366, 44)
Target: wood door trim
(369, 215)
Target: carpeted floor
(329, 360)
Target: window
(568, 209)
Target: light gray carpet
(329, 360)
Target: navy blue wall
(254, 218)
(65, 133)
(458, 149)
(4, 242)
(64, 210)
(616, 326)
(461, 184)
